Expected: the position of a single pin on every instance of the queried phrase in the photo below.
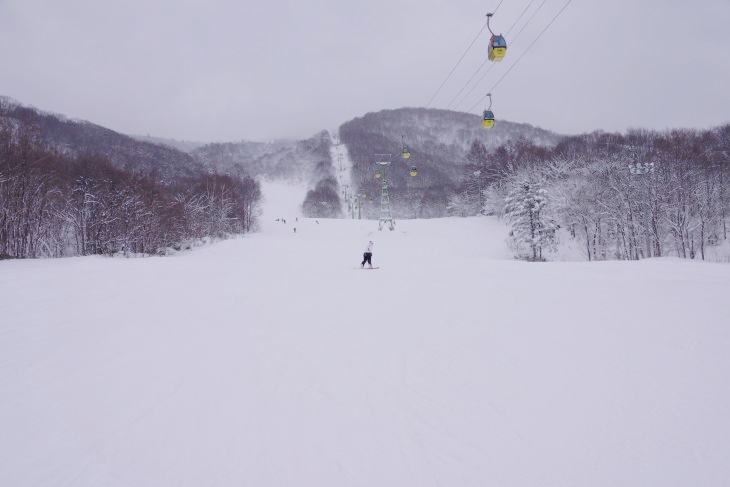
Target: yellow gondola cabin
(488, 120)
(497, 48)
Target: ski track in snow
(343, 167)
(271, 360)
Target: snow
(273, 360)
(343, 168)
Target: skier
(368, 255)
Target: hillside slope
(274, 360)
(302, 161)
(438, 140)
(75, 137)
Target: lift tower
(386, 217)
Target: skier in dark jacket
(368, 255)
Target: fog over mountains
(438, 138)
(439, 141)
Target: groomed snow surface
(274, 360)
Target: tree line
(56, 206)
(633, 196)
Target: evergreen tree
(323, 201)
(525, 210)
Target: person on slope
(368, 255)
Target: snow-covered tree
(460, 204)
(525, 210)
(323, 201)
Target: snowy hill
(76, 137)
(274, 360)
(181, 145)
(434, 131)
(439, 142)
(300, 161)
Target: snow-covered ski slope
(272, 360)
(343, 168)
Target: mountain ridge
(439, 142)
(72, 138)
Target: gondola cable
(522, 55)
(486, 60)
(461, 58)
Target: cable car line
(522, 55)
(461, 58)
(486, 60)
(488, 119)
(457, 65)
(518, 18)
(513, 40)
(467, 83)
(529, 20)
(497, 8)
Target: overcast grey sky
(225, 70)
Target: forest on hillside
(72, 138)
(639, 195)
(305, 161)
(52, 205)
(622, 196)
(438, 140)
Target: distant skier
(368, 255)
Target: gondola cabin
(414, 171)
(406, 152)
(497, 48)
(378, 174)
(488, 121)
